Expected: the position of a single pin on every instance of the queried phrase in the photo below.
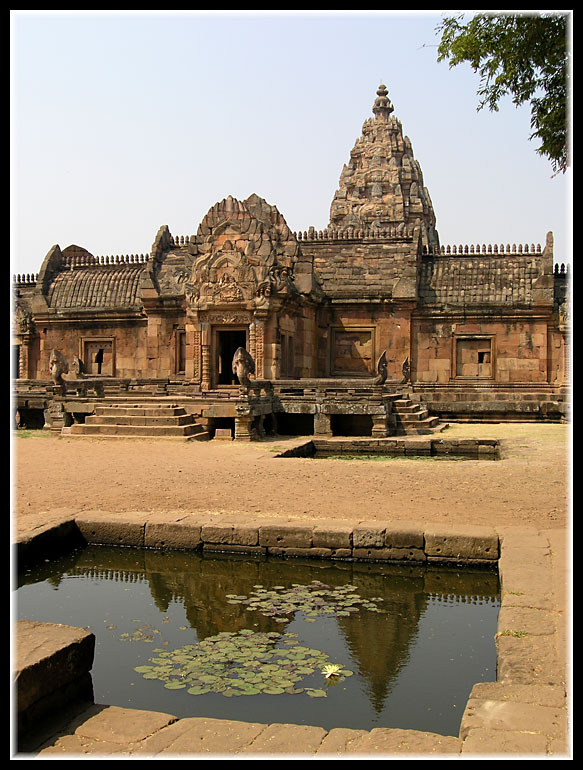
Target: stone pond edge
(525, 711)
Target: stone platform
(524, 712)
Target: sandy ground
(529, 487)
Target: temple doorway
(227, 342)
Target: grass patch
(515, 634)
(30, 433)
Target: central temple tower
(381, 186)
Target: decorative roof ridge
(495, 249)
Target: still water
(248, 638)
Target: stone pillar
(193, 351)
(243, 431)
(322, 425)
(259, 426)
(56, 418)
(23, 359)
(253, 341)
(379, 426)
(205, 355)
(258, 336)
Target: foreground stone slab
(526, 659)
(286, 739)
(122, 725)
(496, 743)
(104, 730)
(507, 716)
(388, 741)
(53, 664)
(338, 739)
(200, 736)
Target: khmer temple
(369, 327)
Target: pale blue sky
(125, 121)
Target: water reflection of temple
(379, 644)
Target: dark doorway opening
(227, 344)
(351, 424)
(33, 419)
(225, 423)
(291, 424)
(99, 360)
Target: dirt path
(529, 487)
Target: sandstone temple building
(369, 327)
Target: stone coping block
(230, 533)
(332, 534)
(463, 543)
(183, 533)
(42, 667)
(53, 538)
(107, 528)
(285, 535)
(369, 534)
(404, 534)
(371, 540)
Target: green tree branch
(526, 57)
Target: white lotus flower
(331, 669)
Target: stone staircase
(119, 420)
(410, 418)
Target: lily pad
(242, 663)
(313, 600)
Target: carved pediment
(246, 254)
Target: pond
(334, 644)
(388, 449)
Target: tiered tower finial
(382, 105)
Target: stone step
(421, 414)
(146, 431)
(431, 425)
(139, 409)
(140, 420)
(419, 430)
(136, 419)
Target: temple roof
(101, 286)
(505, 281)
